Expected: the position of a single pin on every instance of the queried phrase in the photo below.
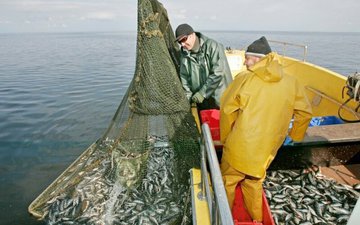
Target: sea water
(59, 91)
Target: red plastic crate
(241, 215)
(212, 118)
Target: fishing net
(138, 172)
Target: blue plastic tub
(322, 121)
(325, 120)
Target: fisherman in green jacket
(204, 70)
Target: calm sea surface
(58, 93)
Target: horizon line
(205, 30)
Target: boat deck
(338, 133)
(344, 174)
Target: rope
(341, 117)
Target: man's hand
(197, 97)
(288, 141)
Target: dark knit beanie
(259, 48)
(183, 30)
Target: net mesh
(138, 172)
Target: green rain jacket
(206, 71)
(255, 114)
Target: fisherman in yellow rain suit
(256, 110)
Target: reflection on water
(58, 93)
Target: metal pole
(205, 185)
(287, 43)
(217, 182)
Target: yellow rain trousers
(255, 114)
(250, 186)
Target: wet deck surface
(344, 174)
(333, 133)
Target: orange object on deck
(241, 215)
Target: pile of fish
(307, 197)
(125, 188)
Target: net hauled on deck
(138, 172)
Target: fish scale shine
(95, 201)
(317, 200)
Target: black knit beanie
(183, 30)
(259, 48)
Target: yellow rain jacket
(256, 110)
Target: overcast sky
(243, 15)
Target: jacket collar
(269, 68)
